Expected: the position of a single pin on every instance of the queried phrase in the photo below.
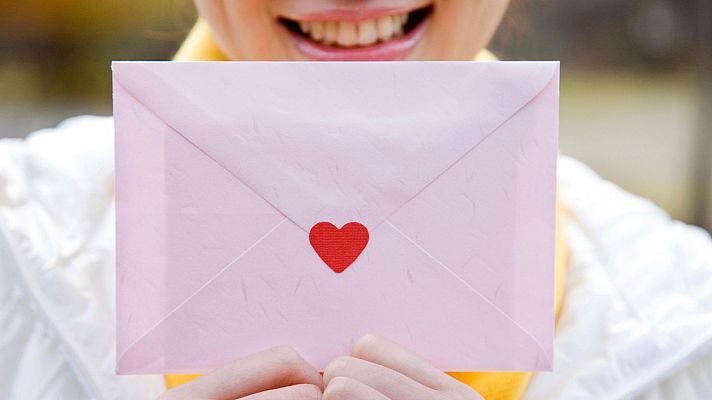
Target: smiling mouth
(362, 34)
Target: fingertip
(366, 345)
(294, 368)
(335, 368)
(337, 388)
(285, 352)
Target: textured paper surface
(223, 168)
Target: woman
(638, 296)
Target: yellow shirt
(200, 46)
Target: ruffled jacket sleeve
(56, 267)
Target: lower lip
(394, 49)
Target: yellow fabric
(200, 46)
(175, 380)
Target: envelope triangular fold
(413, 302)
(181, 218)
(366, 153)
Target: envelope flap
(335, 141)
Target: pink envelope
(446, 169)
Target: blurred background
(636, 90)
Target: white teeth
(367, 33)
(317, 31)
(399, 24)
(385, 27)
(331, 32)
(399, 31)
(404, 19)
(348, 33)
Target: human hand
(276, 374)
(379, 369)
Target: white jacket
(636, 320)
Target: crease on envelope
(473, 290)
(387, 222)
(222, 270)
(468, 151)
(174, 129)
(199, 289)
(215, 122)
(169, 113)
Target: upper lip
(355, 14)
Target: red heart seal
(339, 248)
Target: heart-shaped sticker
(338, 248)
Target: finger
(342, 388)
(270, 369)
(294, 392)
(391, 383)
(387, 353)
